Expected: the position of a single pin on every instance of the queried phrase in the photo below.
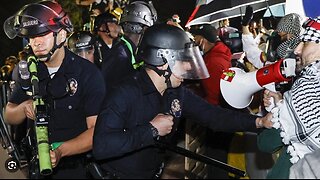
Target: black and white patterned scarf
(298, 115)
(285, 49)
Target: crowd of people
(112, 92)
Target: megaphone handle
(271, 87)
(271, 106)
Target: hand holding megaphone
(270, 99)
(237, 87)
(273, 97)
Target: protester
(281, 43)
(71, 88)
(148, 106)
(296, 115)
(307, 167)
(217, 57)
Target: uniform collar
(146, 83)
(66, 67)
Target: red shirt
(217, 59)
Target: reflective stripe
(133, 59)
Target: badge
(73, 86)
(176, 108)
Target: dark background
(165, 9)
(9, 47)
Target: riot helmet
(37, 19)
(163, 43)
(103, 19)
(82, 43)
(79, 41)
(138, 14)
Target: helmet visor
(27, 26)
(87, 53)
(10, 27)
(187, 63)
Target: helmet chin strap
(108, 32)
(165, 73)
(47, 57)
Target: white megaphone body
(237, 87)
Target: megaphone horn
(237, 87)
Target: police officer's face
(110, 29)
(42, 45)
(87, 54)
(174, 79)
(179, 70)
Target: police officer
(149, 105)
(72, 88)
(136, 18)
(111, 53)
(82, 43)
(107, 31)
(120, 61)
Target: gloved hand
(248, 16)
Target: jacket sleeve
(269, 140)
(252, 50)
(111, 138)
(216, 118)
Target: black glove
(248, 16)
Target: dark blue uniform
(68, 109)
(101, 52)
(116, 65)
(123, 136)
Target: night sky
(165, 9)
(9, 47)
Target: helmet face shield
(9, 27)
(27, 26)
(186, 63)
(81, 41)
(37, 19)
(87, 53)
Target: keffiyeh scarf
(285, 49)
(298, 114)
